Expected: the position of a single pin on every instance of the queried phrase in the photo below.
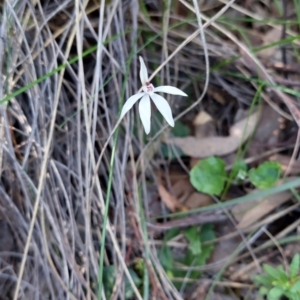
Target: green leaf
(109, 280)
(109, 277)
(283, 276)
(205, 234)
(292, 296)
(263, 291)
(264, 280)
(165, 254)
(139, 267)
(129, 292)
(275, 293)
(239, 170)
(193, 236)
(209, 175)
(179, 130)
(275, 273)
(266, 175)
(171, 152)
(295, 265)
(166, 258)
(296, 287)
(170, 234)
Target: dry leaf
(170, 201)
(262, 208)
(204, 125)
(284, 161)
(182, 189)
(202, 118)
(219, 146)
(218, 94)
(175, 174)
(196, 200)
(268, 127)
(224, 247)
(273, 35)
(202, 290)
(249, 212)
(186, 195)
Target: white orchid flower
(149, 91)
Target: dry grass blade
(65, 195)
(85, 198)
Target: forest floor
(92, 207)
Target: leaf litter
(218, 146)
(66, 237)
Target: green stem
(109, 186)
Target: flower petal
(170, 90)
(143, 72)
(164, 108)
(130, 102)
(145, 112)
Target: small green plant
(109, 281)
(277, 283)
(266, 175)
(197, 253)
(209, 175)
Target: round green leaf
(209, 176)
(266, 175)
